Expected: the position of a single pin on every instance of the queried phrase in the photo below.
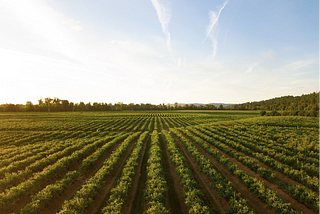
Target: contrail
(214, 19)
(164, 16)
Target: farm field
(158, 162)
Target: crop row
(258, 152)
(191, 191)
(237, 204)
(84, 197)
(156, 185)
(59, 164)
(52, 191)
(254, 185)
(281, 153)
(120, 192)
(306, 196)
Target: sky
(158, 51)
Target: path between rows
(135, 182)
(283, 195)
(100, 199)
(175, 201)
(57, 203)
(215, 205)
(253, 201)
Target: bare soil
(25, 200)
(139, 205)
(254, 202)
(175, 202)
(279, 175)
(215, 203)
(103, 195)
(163, 123)
(283, 195)
(57, 203)
(135, 183)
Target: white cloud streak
(214, 18)
(164, 16)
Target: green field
(158, 162)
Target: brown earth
(111, 181)
(138, 204)
(279, 175)
(216, 204)
(254, 202)
(283, 195)
(163, 123)
(57, 203)
(25, 200)
(132, 192)
(174, 197)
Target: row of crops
(123, 123)
(142, 162)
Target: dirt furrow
(135, 183)
(138, 204)
(253, 201)
(175, 200)
(283, 195)
(57, 203)
(25, 200)
(100, 199)
(164, 124)
(216, 204)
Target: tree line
(57, 105)
(304, 105)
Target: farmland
(158, 162)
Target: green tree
(48, 102)
(65, 105)
(262, 113)
(29, 106)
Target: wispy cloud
(252, 66)
(214, 18)
(299, 64)
(164, 16)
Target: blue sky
(158, 51)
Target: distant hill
(201, 104)
(305, 102)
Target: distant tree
(210, 107)
(168, 106)
(40, 102)
(88, 107)
(10, 107)
(48, 102)
(65, 105)
(262, 113)
(71, 106)
(176, 106)
(56, 104)
(29, 106)
(220, 107)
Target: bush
(273, 113)
(294, 113)
(262, 113)
(314, 113)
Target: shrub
(262, 113)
